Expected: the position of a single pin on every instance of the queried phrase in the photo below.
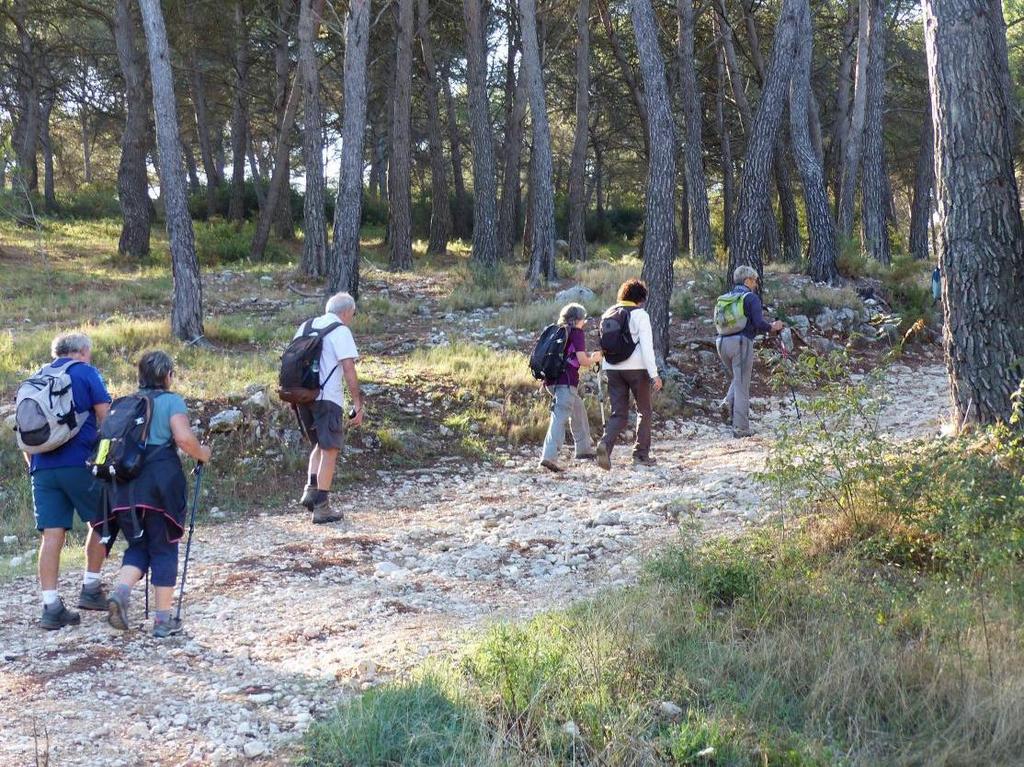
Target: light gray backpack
(45, 417)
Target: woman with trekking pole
(150, 507)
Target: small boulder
(801, 322)
(254, 748)
(562, 247)
(577, 293)
(226, 420)
(670, 710)
(258, 401)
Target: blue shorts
(58, 493)
(153, 550)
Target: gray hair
(571, 314)
(154, 369)
(67, 344)
(744, 273)
(340, 303)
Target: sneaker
(92, 599)
(165, 629)
(648, 461)
(551, 466)
(308, 496)
(603, 459)
(57, 616)
(117, 612)
(725, 411)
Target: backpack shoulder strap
(307, 326)
(328, 329)
(56, 370)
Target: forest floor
(284, 619)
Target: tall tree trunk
(787, 205)
(821, 229)
(284, 224)
(485, 204)
(191, 168)
(876, 194)
(314, 246)
(771, 224)
(982, 248)
(660, 244)
(400, 167)
(26, 133)
(49, 190)
(258, 181)
(132, 177)
(542, 253)
(753, 203)
(924, 183)
(511, 177)
(578, 167)
(701, 245)
(844, 86)
(598, 180)
(855, 135)
(378, 162)
(343, 264)
(203, 131)
(239, 116)
(83, 122)
(440, 210)
(187, 303)
(460, 205)
(279, 187)
(725, 142)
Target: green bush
(220, 242)
(90, 202)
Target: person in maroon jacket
(566, 404)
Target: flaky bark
(876, 194)
(577, 168)
(440, 210)
(924, 184)
(982, 247)
(660, 243)
(343, 264)
(485, 203)
(701, 245)
(187, 301)
(314, 246)
(855, 134)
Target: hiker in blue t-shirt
(737, 351)
(63, 485)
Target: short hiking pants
(622, 383)
(323, 424)
(58, 493)
(153, 550)
(737, 353)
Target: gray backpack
(45, 417)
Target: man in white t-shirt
(323, 421)
(636, 375)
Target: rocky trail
(283, 618)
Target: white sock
(90, 580)
(50, 597)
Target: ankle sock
(90, 581)
(123, 591)
(50, 597)
(161, 616)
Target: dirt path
(283, 617)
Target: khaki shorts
(323, 424)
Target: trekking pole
(198, 471)
(787, 361)
(146, 616)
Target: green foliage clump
(219, 242)
(90, 202)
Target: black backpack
(547, 363)
(299, 377)
(616, 341)
(121, 450)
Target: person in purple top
(63, 485)
(737, 351)
(566, 403)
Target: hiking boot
(551, 466)
(725, 411)
(742, 433)
(588, 456)
(164, 629)
(57, 616)
(604, 460)
(644, 461)
(326, 515)
(308, 497)
(92, 599)
(117, 612)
